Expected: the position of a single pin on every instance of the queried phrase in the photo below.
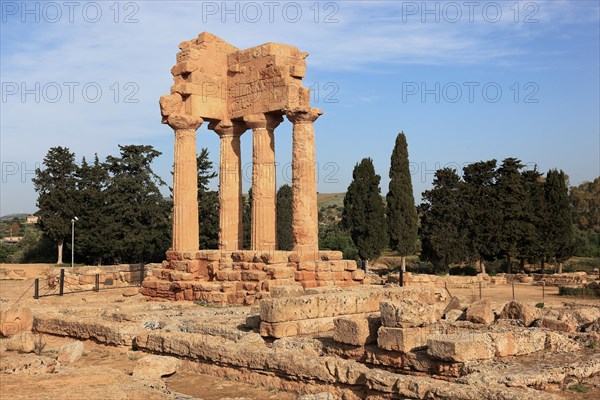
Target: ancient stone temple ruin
(236, 91)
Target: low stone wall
(566, 279)
(245, 276)
(84, 278)
(440, 281)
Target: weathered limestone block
(23, 342)
(280, 272)
(70, 352)
(461, 347)
(407, 313)
(275, 257)
(402, 339)
(455, 315)
(516, 310)
(356, 331)
(314, 326)
(555, 325)
(286, 291)
(342, 302)
(330, 255)
(481, 312)
(15, 319)
(155, 367)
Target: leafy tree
(481, 215)
(402, 219)
(56, 201)
(284, 218)
(586, 205)
(93, 239)
(560, 233)
(140, 225)
(443, 234)
(513, 203)
(15, 227)
(363, 213)
(208, 203)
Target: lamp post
(73, 240)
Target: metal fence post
(61, 282)
(36, 288)
(401, 278)
(97, 287)
(480, 290)
(513, 290)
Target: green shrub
(578, 387)
(540, 305)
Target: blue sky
(466, 81)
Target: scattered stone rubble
(355, 343)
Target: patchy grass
(578, 387)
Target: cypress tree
(534, 247)
(284, 218)
(363, 213)
(560, 230)
(512, 201)
(247, 220)
(443, 234)
(56, 201)
(481, 214)
(402, 219)
(208, 203)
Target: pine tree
(363, 213)
(93, 242)
(402, 219)
(208, 203)
(481, 214)
(512, 201)
(56, 201)
(443, 234)
(140, 223)
(560, 233)
(284, 218)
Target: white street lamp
(73, 240)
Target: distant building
(12, 239)
(31, 219)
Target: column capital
(303, 115)
(226, 127)
(184, 122)
(268, 121)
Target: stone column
(305, 223)
(230, 184)
(264, 230)
(185, 183)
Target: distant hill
(329, 199)
(11, 216)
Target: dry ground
(104, 368)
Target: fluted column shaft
(185, 183)
(230, 185)
(305, 223)
(264, 230)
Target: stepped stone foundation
(245, 276)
